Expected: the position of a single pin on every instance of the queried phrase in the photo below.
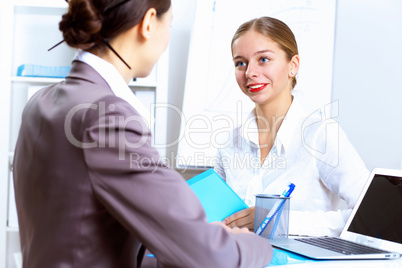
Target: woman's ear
(148, 23)
(294, 65)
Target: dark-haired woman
(90, 189)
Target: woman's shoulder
(317, 120)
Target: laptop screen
(380, 212)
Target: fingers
(240, 214)
(242, 222)
(234, 217)
(242, 218)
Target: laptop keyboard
(340, 245)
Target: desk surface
(351, 264)
(285, 259)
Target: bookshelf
(27, 29)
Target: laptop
(373, 230)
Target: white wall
(367, 65)
(366, 78)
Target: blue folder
(217, 198)
(32, 70)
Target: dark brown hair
(88, 23)
(275, 29)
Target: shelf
(41, 3)
(12, 229)
(47, 80)
(35, 80)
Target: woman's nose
(252, 71)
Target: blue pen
(278, 217)
(277, 206)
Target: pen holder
(278, 226)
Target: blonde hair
(274, 29)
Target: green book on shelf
(217, 198)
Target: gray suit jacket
(90, 189)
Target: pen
(278, 217)
(277, 206)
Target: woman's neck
(269, 119)
(270, 115)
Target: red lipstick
(256, 87)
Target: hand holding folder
(217, 198)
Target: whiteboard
(212, 102)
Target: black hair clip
(106, 43)
(114, 51)
(56, 44)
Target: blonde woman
(281, 143)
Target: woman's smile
(256, 87)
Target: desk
(347, 264)
(151, 262)
(285, 259)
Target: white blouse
(311, 151)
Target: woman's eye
(263, 59)
(239, 64)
